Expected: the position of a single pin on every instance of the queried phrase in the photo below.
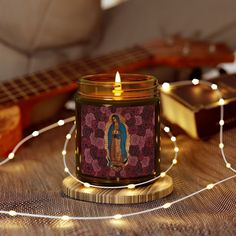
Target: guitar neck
(63, 77)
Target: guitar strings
(120, 216)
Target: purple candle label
(118, 142)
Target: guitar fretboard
(27, 87)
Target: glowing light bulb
(11, 155)
(173, 138)
(35, 133)
(87, 185)
(68, 136)
(174, 161)
(167, 205)
(221, 122)
(221, 145)
(63, 152)
(195, 81)
(176, 149)
(66, 170)
(214, 87)
(210, 186)
(61, 122)
(163, 174)
(12, 213)
(221, 101)
(65, 217)
(117, 216)
(167, 129)
(165, 87)
(131, 186)
(117, 91)
(228, 165)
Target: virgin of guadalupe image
(117, 137)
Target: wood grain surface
(159, 189)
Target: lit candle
(117, 91)
(118, 129)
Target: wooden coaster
(158, 189)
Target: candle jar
(117, 137)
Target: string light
(35, 133)
(195, 81)
(87, 185)
(165, 87)
(131, 186)
(119, 216)
(173, 138)
(167, 129)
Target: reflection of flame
(117, 87)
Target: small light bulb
(174, 161)
(210, 186)
(167, 205)
(63, 152)
(195, 81)
(221, 122)
(117, 216)
(228, 165)
(165, 87)
(173, 138)
(12, 213)
(221, 145)
(163, 174)
(214, 87)
(65, 217)
(66, 170)
(87, 185)
(61, 122)
(11, 155)
(35, 133)
(221, 101)
(176, 149)
(167, 129)
(131, 186)
(68, 136)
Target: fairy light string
(166, 87)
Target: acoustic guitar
(20, 96)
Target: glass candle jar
(118, 129)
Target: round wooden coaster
(158, 189)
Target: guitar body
(10, 128)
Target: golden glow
(117, 91)
(210, 186)
(165, 87)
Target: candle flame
(117, 87)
